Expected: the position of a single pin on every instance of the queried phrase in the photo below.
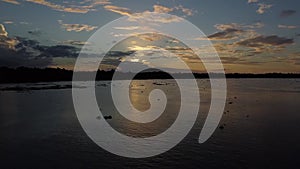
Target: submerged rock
(222, 126)
(103, 85)
(107, 117)
(159, 84)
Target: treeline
(24, 74)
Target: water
(39, 128)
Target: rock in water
(107, 117)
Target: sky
(250, 36)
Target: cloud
(12, 58)
(83, 6)
(287, 26)
(12, 2)
(243, 42)
(35, 32)
(8, 22)
(254, 26)
(59, 51)
(34, 49)
(148, 14)
(259, 41)
(286, 13)
(226, 34)
(24, 23)
(59, 7)
(75, 42)
(5, 41)
(184, 52)
(76, 27)
(25, 43)
(252, 1)
(119, 10)
(186, 11)
(150, 37)
(142, 48)
(119, 54)
(98, 2)
(127, 28)
(31, 49)
(248, 43)
(18, 52)
(158, 57)
(113, 58)
(262, 8)
(265, 45)
(234, 30)
(223, 27)
(3, 31)
(161, 9)
(239, 45)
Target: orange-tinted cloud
(161, 9)
(156, 8)
(262, 8)
(119, 10)
(12, 2)
(83, 7)
(3, 31)
(76, 27)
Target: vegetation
(24, 75)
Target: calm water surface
(39, 128)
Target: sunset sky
(254, 36)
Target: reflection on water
(139, 95)
(39, 129)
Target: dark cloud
(26, 52)
(266, 40)
(59, 51)
(15, 52)
(227, 34)
(35, 32)
(26, 43)
(114, 57)
(286, 13)
(119, 53)
(33, 47)
(12, 58)
(19, 51)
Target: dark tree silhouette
(24, 75)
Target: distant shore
(32, 75)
